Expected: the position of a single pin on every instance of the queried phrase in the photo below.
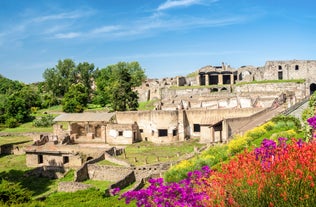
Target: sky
(167, 37)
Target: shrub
(44, 121)
(11, 122)
(13, 193)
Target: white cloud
(62, 16)
(176, 3)
(69, 35)
(105, 29)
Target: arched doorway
(312, 88)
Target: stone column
(232, 79)
(212, 134)
(207, 81)
(198, 79)
(220, 79)
(224, 133)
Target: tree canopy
(59, 79)
(115, 85)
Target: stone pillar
(103, 133)
(220, 79)
(224, 133)
(181, 126)
(232, 79)
(212, 134)
(198, 80)
(207, 79)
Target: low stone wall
(104, 172)
(72, 186)
(116, 161)
(82, 173)
(126, 181)
(52, 172)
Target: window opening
(174, 132)
(40, 159)
(196, 128)
(65, 159)
(162, 132)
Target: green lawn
(138, 153)
(15, 139)
(28, 128)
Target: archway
(312, 88)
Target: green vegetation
(72, 86)
(99, 184)
(285, 126)
(75, 99)
(115, 84)
(149, 153)
(27, 128)
(193, 74)
(238, 84)
(14, 139)
(273, 81)
(147, 105)
(106, 162)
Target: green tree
(13, 193)
(115, 85)
(85, 75)
(19, 104)
(122, 96)
(76, 99)
(8, 86)
(59, 79)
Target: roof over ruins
(87, 116)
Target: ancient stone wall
(291, 69)
(109, 173)
(82, 173)
(72, 186)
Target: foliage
(59, 79)
(272, 81)
(290, 121)
(48, 100)
(13, 193)
(147, 105)
(76, 99)
(272, 175)
(170, 194)
(18, 105)
(193, 74)
(210, 157)
(90, 197)
(115, 85)
(8, 86)
(11, 122)
(44, 121)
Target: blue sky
(167, 37)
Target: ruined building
(211, 107)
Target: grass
(28, 128)
(106, 162)
(14, 139)
(138, 153)
(272, 81)
(99, 184)
(12, 162)
(146, 105)
(240, 83)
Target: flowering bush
(312, 122)
(182, 193)
(272, 175)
